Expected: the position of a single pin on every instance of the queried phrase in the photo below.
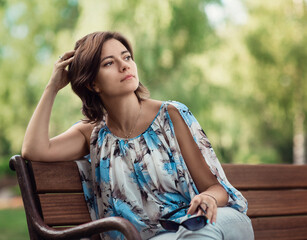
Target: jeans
(230, 225)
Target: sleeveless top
(143, 178)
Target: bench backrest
(277, 196)
(59, 191)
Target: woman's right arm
(70, 145)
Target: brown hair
(84, 68)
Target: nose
(123, 66)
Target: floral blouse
(145, 177)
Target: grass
(4, 166)
(13, 225)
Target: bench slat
(282, 228)
(266, 176)
(276, 202)
(63, 177)
(64, 209)
(56, 177)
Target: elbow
(26, 153)
(30, 154)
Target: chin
(130, 85)
(135, 85)
(130, 89)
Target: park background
(239, 65)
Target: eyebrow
(123, 52)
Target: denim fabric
(230, 225)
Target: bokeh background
(239, 65)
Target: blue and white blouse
(145, 177)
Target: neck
(123, 114)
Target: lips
(127, 77)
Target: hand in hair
(59, 79)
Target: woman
(148, 157)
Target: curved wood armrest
(89, 229)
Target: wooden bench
(53, 198)
(277, 198)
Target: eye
(107, 64)
(128, 57)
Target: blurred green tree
(169, 38)
(30, 35)
(243, 82)
(277, 40)
(167, 35)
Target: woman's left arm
(212, 194)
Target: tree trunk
(298, 126)
(299, 139)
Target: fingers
(201, 211)
(211, 209)
(65, 59)
(59, 78)
(193, 207)
(204, 205)
(67, 55)
(68, 61)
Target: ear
(93, 87)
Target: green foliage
(277, 40)
(164, 34)
(13, 224)
(243, 82)
(28, 42)
(4, 166)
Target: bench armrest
(89, 229)
(37, 225)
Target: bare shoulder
(151, 107)
(174, 113)
(152, 104)
(180, 127)
(85, 128)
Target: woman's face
(117, 75)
